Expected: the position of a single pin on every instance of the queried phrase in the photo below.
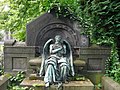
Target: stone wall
(16, 57)
(110, 84)
(95, 58)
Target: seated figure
(57, 62)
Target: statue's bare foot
(60, 84)
(47, 84)
(66, 82)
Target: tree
(21, 12)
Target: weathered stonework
(109, 84)
(3, 82)
(16, 58)
(73, 85)
(48, 26)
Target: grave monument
(26, 56)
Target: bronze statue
(57, 61)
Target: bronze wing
(45, 55)
(69, 56)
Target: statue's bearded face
(58, 38)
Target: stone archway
(50, 30)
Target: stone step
(35, 77)
(72, 85)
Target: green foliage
(99, 18)
(1, 37)
(15, 81)
(19, 88)
(1, 70)
(98, 86)
(66, 8)
(78, 77)
(21, 12)
(105, 18)
(113, 66)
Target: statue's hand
(60, 48)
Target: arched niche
(53, 29)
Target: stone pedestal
(16, 58)
(72, 85)
(3, 82)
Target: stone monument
(27, 56)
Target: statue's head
(58, 38)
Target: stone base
(3, 82)
(72, 85)
(109, 84)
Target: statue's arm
(54, 50)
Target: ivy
(14, 81)
(113, 66)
